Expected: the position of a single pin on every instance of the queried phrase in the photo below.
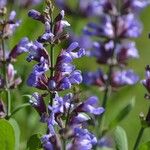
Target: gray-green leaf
(16, 128)
(120, 139)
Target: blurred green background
(28, 119)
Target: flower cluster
(66, 117)
(119, 23)
(86, 8)
(8, 75)
(8, 28)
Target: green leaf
(16, 128)
(34, 142)
(123, 113)
(19, 108)
(145, 146)
(120, 139)
(7, 135)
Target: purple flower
(60, 23)
(11, 25)
(128, 26)
(82, 140)
(51, 36)
(146, 82)
(103, 51)
(36, 15)
(125, 77)
(38, 103)
(125, 51)
(60, 107)
(3, 3)
(51, 142)
(37, 78)
(65, 74)
(36, 52)
(90, 106)
(78, 119)
(83, 40)
(86, 8)
(48, 35)
(94, 78)
(135, 5)
(22, 47)
(90, 7)
(12, 81)
(104, 29)
(118, 78)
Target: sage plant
(8, 75)
(119, 22)
(66, 116)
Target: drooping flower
(90, 106)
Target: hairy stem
(105, 99)
(8, 96)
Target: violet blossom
(54, 76)
(114, 49)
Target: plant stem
(52, 60)
(68, 114)
(51, 70)
(137, 142)
(105, 99)
(64, 144)
(51, 56)
(8, 97)
(4, 63)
